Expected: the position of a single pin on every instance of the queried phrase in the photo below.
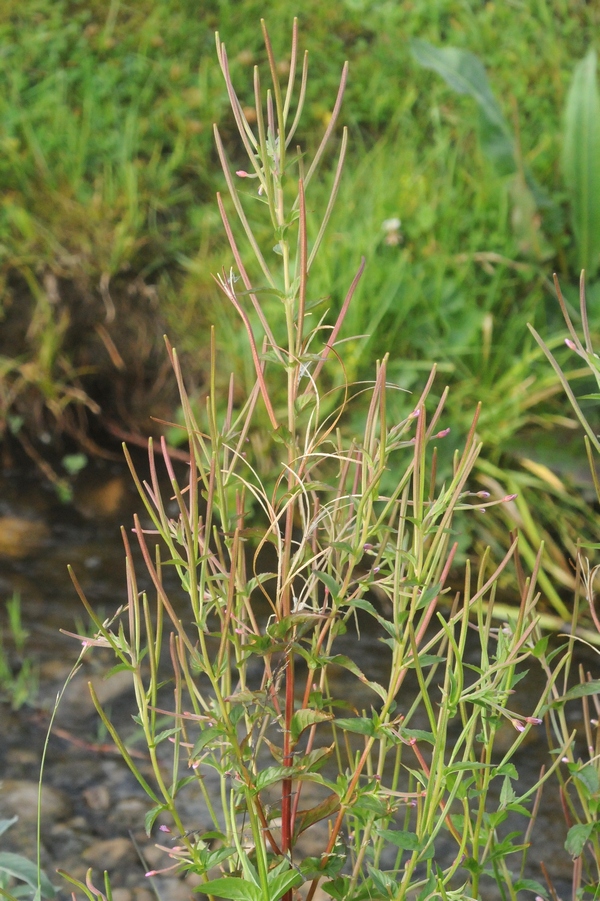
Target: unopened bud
(442, 434)
(242, 174)
(570, 344)
(509, 497)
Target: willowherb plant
(395, 793)
(580, 775)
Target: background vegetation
(109, 230)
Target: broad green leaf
(213, 733)
(581, 162)
(349, 664)
(577, 836)
(23, 869)
(272, 774)
(282, 882)
(302, 719)
(6, 824)
(579, 691)
(382, 881)
(232, 888)
(359, 724)
(408, 841)
(530, 885)
(465, 74)
(589, 777)
(306, 818)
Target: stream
(93, 808)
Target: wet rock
(77, 702)
(122, 894)
(21, 537)
(130, 812)
(175, 890)
(109, 853)
(97, 797)
(142, 894)
(103, 500)
(19, 796)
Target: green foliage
(581, 166)
(360, 528)
(18, 682)
(16, 867)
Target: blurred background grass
(109, 231)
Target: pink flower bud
(242, 174)
(442, 434)
(534, 720)
(570, 344)
(518, 725)
(509, 497)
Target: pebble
(97, 797)
(109, 853)
(104, 500)
(121, 894)
(77, 702)
(20, 537)
(19, 796)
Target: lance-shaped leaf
(464, 73)
(581, 162)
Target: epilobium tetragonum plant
(580, 776)
(383, 785)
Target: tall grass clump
(308, 770)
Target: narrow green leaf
(328, 581)
(581, 162)
(150, 817)
(166, 733)
(579, 691)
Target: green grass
(109, 231)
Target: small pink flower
(164, 829)
(519, 726)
